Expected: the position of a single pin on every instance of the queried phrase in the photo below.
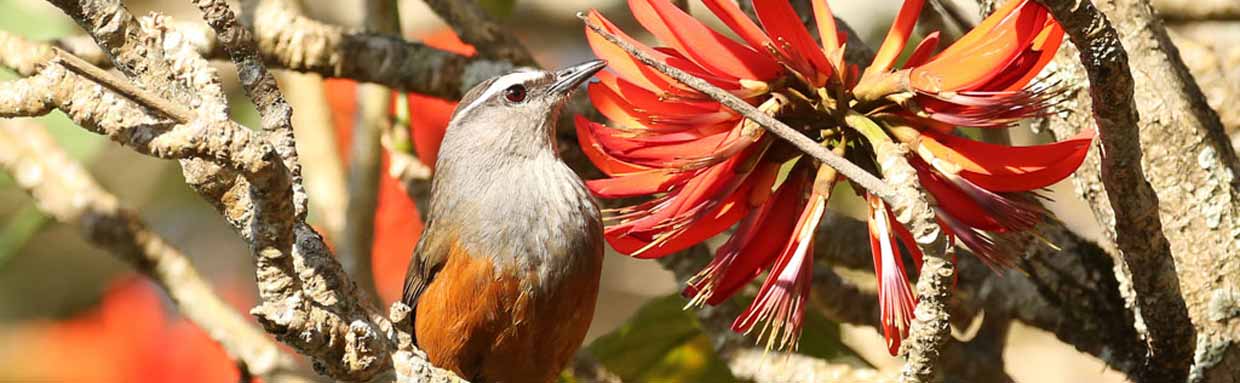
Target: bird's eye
(515, 93)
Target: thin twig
(861, 177)
(124, 87)
(363, 183)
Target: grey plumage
(500, 179)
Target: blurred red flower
(704, 169)
(130, 337)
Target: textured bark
(292, 41)
(261, 87)
(307, 300)
(1075, 293)
(64, 190)
(1190, 165)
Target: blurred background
(63, 300)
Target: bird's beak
(567, 79)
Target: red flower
(129, 337)
(705, 169)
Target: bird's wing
(428, 257)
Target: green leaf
(661, 343)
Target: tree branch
(1207, 49)
(1136, 226)
(261, 87)
(307, 300)
(295, 42)
(477, 28)
(371, 118)
(63, 189)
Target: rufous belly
(491, 326)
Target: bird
(504, 279)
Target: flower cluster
(700, 168)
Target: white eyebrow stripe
(499, 85)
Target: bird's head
(514, 113)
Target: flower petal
(782, 299)
(623, 113)
(620, 61)
(635, 184)
(607, 163)
(702, 287)
(713, 51)
(924, 49)
(687, 216)
(897, 36)
(952, 200)
(758, 253)
(827, 30)
(972, 61)
(895, 297)
(1004, 168)
(780, 22)
(736, 19)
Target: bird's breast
(537, 217)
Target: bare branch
(63, 189)
(307, 300)
(479, 29)
(1137, 227)
(363, 183)
(261, 86)
(1210, 52)
(295, 42)
(316, 145)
